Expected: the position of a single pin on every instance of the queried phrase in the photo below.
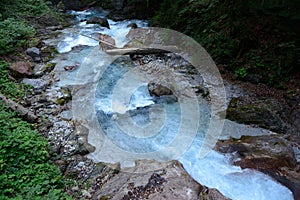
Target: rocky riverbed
(51, 100)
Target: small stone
(86, 194)
(34, 53)
(75, 188)
(66, 115)
(36, 83)
(80, 164)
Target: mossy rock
(49, 67)
(33, 42)
(65, 97)
(265, 114)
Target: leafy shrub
(9, 88)
(240, 73)
(25, 172)
(23, 8)
(13, 33)
(262, 36)
(15, 17)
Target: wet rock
(66, 115)
(108, 39)
(265, 113)
(262, 152)
(63, 96)
(273, 155)
(132, 25)
(71, 67)
(79, 48)
(158, 90)
(48, 52)
(212, 194)
(41, 69)
(34, 53)
(84, 147)
(36, 83)
(21, 69)
(98, 20)
(203, 91)
(151, 180)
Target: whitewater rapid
(214, 171)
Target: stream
(113, 88)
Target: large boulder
(107, 39)
(273, 155)
(132, 25)
(158, 90)
(98, 20)
(265, 113)
(21, 69)
(279, 114)
(154, 180)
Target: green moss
(34, 42)
(49, 67)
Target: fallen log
(25, 113)
(141, 51)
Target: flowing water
(214, 170)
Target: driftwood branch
(140, 51)
(25, 113)
(133, 50)
(101, 41)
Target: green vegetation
(249, 37)
(18, 20)
(10, 88)
(240, 73)
(20, 9)
(13, 33)
(25, 171)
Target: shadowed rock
(98, 20)
(272, 155)
(34, 53)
